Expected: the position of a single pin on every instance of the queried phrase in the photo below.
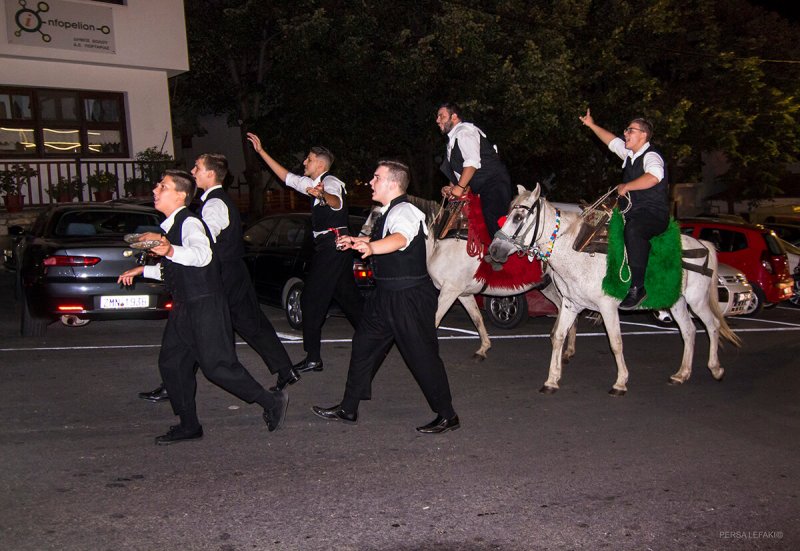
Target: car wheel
(507, 312)
(758, 303)
(31, 326)
(294, 312)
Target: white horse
(452, 270)
(532, 228)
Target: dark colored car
(278, 251)
(753, 250)
(68, 264)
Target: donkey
(578, 278)
(452, 270)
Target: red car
(753, 250)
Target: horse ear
(521, 189)
(536, 191)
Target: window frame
(84, 124)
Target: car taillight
(69, 308)
(362, 273)
(766, 262)
(62, 260)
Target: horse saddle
(452, 222)
(593, 232)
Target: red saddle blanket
(517, 271)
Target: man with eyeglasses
(646, 187)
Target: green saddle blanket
(664, 276)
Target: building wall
(150, 44)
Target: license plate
(127, 301)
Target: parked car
(735, 294)
(793, 254)
(278, 251)
(753, 250)
(68, 264)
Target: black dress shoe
(275, 415)
(336, 413)
(440, 425)
(156, 395)
(291, 378)
(633, 299)
(177, 433)
(306, 365)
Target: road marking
(470, 336)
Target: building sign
(60, 24)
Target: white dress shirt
(404, 219)
(653, 163)
(215, 214)
(195, 251)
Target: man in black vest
(222, 217)
(645, 181)
(401, 310)
(199, 328)
(473, 161)
(331, 273)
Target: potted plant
(12, 182)
(138, 187)
(103, 183)
(66, 189)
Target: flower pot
(104, 195)
(14, 202)
(64, 198)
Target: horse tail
(713, 299)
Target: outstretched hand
(587, 119)
(255, 140)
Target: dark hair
(324, 153)
(398, 172)
(452, 108)
(216, 163)
(183, 182)
(647, 126)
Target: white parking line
(469, 336)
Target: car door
(255, 244)
(280, 258)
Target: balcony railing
(133, 177)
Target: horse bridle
(533, 227)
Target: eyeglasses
(632, 129)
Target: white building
(83, 84)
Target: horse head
(520, 229)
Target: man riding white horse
(644, 177)
(472, 163)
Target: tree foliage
(364, 78)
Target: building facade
(84, 86)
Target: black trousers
(494, 204)
(640, 228)
(407, 318)
(248, 318)
(200, 332)
(330, 277)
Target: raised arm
(274, 165)
(604, 135)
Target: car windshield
(105, 222)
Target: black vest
(492, 174)
(324, 217)
(654, 200)
(230, 245)
(187, 283)
(401, 269)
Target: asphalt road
(706, 465)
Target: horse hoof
(674, 381)
(477, 357)
(548, 390)
(616, 392)
(719, 375)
